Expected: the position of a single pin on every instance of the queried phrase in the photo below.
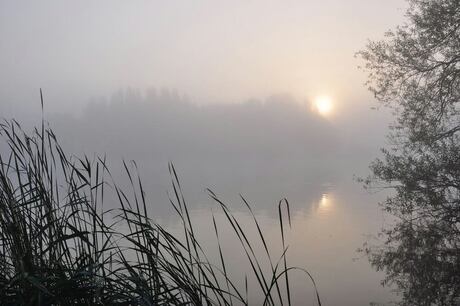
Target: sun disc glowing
(323, 104)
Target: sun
(323, 105)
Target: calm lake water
(265, 152)
(330, 221)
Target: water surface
(330, 221)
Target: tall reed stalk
(59, 245)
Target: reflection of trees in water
(416, 72)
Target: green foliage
(60, 246)
(415, 71)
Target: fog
(226, 83)
(213, 52)
(267, 149)
(225, 91)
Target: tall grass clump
(61, 243)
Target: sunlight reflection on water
(327, 228)
(325, 204)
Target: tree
(415, 71)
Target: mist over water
(264, 150)
(241, 122)
(276, 142)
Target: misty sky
(212, 51)
(203, 83)
(192, 67)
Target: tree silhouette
(415, 71)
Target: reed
(59, 245)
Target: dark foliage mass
(60, 245)
(416, 72)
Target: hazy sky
(213, 51)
